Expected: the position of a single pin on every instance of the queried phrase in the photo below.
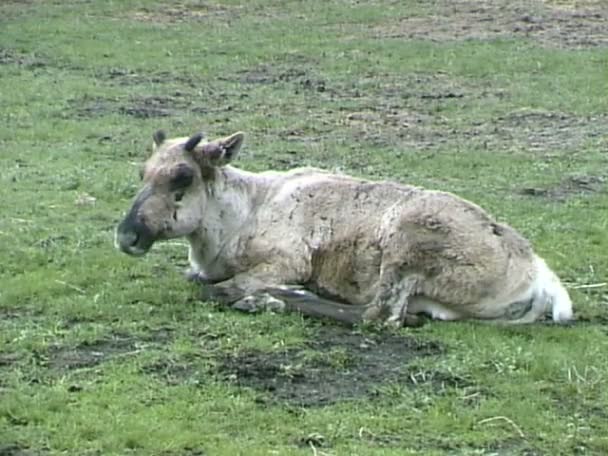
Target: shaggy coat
(333, 245)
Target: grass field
(504, 103)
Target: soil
(186, 12)
(128, 77)
(337, 364)
(138, 107)
(551, 23)
(12, 57)
(89, 354)
(175, 371)
(184, 452)
(17, 450)
(403, 112)
(569, 187)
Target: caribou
(331, 245)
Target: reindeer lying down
(332, 245)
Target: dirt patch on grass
(538, 131)
(18, 450)
(188, 11)
(129, 77)
(184, 452)
(405, 112)
(147, 107)
(138, 107)
(572, 186)
(554, 24)
(174, 371)
(93, 353)
(301, 78)
(27, 60)
(336, 364)
(90, 354)
(8, 359)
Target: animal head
(173, 197)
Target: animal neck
(229, 215)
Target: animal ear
(221, 151)
(159, 137)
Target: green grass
(105, 354)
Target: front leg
(255, 292)
(230, 291)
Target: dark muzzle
(132, 235)
(133, 238)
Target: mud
(580, 24)
(335, 365)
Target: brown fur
(386, 248)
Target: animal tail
(550, 295)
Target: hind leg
(391, 301)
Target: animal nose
(126, 240)
(133, 237)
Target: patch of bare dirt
(145, 108)
(189, 11)
(138, 107)
(336, 364)
(540, 131)
(184, 452)
(571, 186)
(28, 60)
(7, 359)
(408, 112)
(509, 447)
(14, 449)
(405, 113)
(174, 371)
(578, 24)
(267, 74)
(90, 354)
(129, 77)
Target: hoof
(375, 313)
(258, 303)
(221, 295)
(407, 321)
(195, 276)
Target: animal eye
(179, 196)
(182, 178)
